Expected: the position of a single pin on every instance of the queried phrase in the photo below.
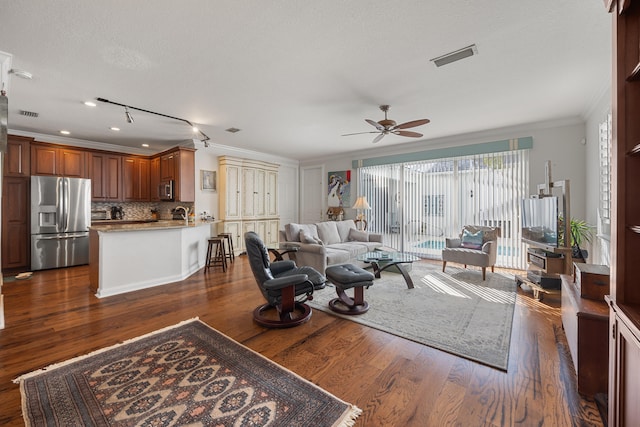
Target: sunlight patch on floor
(441, 287)
(435, 282)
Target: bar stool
(230, 252)
(216, 254)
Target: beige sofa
(329, 243)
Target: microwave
(165, 190)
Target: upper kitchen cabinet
(168, 166)
(178, 165)
(17, 157)
(135, 179)
(54, 160)
(105, 171)
(154, 179)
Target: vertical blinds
(416, 205)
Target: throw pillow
(472, 240)
(306, 238)
(358, 236)
(292, 231)
(328, 232)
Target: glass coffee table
(382, 260)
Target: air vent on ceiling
(233, 130)
(29, 113)
(457, 55)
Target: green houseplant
(581, 234)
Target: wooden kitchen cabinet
(135, 180)
(17, 158)
(168, 166)
(105, 171)
(154, 179)
(15, 223)
(179, 165)
(52, 160)
(72, 163)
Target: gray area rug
(456, 311)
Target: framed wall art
(208, 180)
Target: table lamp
(360, 204)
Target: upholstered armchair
(476, 245)
(281, 282)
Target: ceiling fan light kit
(387, 126)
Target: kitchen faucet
(186, 213)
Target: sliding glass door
(417, 205)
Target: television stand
(538, 290)
(545, 267)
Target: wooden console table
(586, 325)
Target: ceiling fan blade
(374, 124)
(412, 124)
(378, 138)
(359, 133)
(407, 133)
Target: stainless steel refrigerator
(60, 220)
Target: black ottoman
(348, 276)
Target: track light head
(128, 115)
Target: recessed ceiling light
(114, 128)
(90, 104)
(233, 130)
(145, 145)
(65, 132)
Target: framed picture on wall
(208, 180)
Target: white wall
(557, 141)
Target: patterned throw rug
(188, 374)
(455, 311)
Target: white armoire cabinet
(249, 202)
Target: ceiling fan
(387, 126)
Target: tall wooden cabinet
(17, 157)
(15, 206)
(179, 165)
(624, 300)
(249, 199)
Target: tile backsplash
(141, 210)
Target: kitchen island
(125, 257)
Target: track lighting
(128, 115)
(204, 138)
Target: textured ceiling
(295, 75)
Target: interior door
(312, 194)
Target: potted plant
(581, 234)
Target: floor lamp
(361, 204)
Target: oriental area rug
(188, 374)
(456, 311)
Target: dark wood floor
(53, 317)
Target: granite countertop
(130, 225)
